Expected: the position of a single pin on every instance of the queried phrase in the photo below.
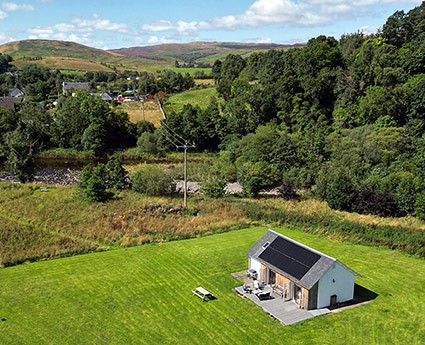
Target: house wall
(337, 280)
(312, 297)
(308, 299)
(254, 264)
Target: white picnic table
(202, 293)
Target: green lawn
(73, 73)
(143, 295)
(199, 98)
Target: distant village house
(11, 102)
(71, 87)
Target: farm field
(152, 113)
(66, 64)
(142, 295)
(199, 98)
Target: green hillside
(50, 48)
(74, 56)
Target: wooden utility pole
(143, 108)
(185, 147)
(185, 177)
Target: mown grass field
(142, 295)
(199, 98)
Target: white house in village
(310, 278)
(70, 87)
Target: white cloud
(5, 38)
(159, 40)
(11, 6)
(261, 12)
(368, 30)
(100, 24)
(263, 40)
(265, 12)
(78, 30)
(3, 15)
(162, 25)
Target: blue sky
(111, 24)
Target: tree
(336, 188)
(93, 139)
(92, 185)
(144, 126)
(148, 143)
(117, 177)
(20, 152)
(8, 122)
(5, 63)
(378, 102)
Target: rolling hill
(74, 56)
(198, 51)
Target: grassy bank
(199, 98)
(129, 220)
(142, 295)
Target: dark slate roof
(16, 92)
(10, 102)
(292, 259)
(78, 86)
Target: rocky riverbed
(67, 177)
(48, 175)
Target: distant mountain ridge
(198, 50)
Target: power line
(179, 142)
(171, 138)
(173, 131)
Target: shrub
(255, 176)
(153, 181)
(214, 189)
(92, 185)
(288, 191)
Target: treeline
(343, 119)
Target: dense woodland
(343, 119)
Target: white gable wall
(254, 264)
(337, 280)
